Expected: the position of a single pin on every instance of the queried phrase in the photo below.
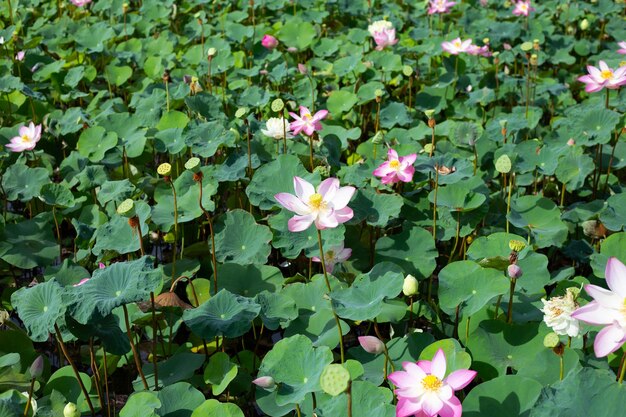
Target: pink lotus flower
(27, 138)
(607, 309)
(479, 50)
(20, 56)
(334, 256)
(523, 8)
(81, 282)
(372, 344)
(396, 168)
(384, 34)
(456, 46)
(622, 49)
(269, 42)
(327, 207)
(101, 265)
(423, 391)
(440, 6)
(80, 3)
(307, 123)
(603, 77)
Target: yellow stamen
(307, 116)
(394, 164)
(316, 201)
(25, 138)
(431, 383)
(457, 44)
(606, 74)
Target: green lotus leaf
(117, 75)
(220, 372)
(181, 366)
(23, 183)
(214, 408)
(12, 403)
(241, 240)
(394, 114)
(508, 395)
(105, 328)
(29, 243)
(277, 177)
(94, 142)
(596, 125)
(364, 299)
(457, 197)
(179, 400)
(573, 169)
(57, 195)
(40, 308)
(249, 280)
(117, 235)
(276, 309)
(341, 101)
(118, 284)
(10, 375)
(542, 217)
(205, 138)
(413, 249)
(64, 381)
(129, 130)
(376, 209)
(546, 367)
(613, 218)
(173, 120)
(614, 245)
(297, 34)
(141, 404)
(468, 286)
(117, 191)
(294, 382)
(225, 314)
(367, 400)
(456, 356)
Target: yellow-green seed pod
(193, 164)
(126, 208)
(164, 169)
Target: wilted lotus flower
(334, 256)
(523, 8)
(456, 46)
(327, 207)
(603, 77)
(396, 168)
(423, 391)
(277, 128)
(479, 50)
(266, 382)
(557, 314)
(27, 138)
(306, 122)
(607, 309)
(384, 34)
(410, 286)
(622, 49)
(440, 6)
(269, 42)
(372, 344)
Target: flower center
(606, 74)
(25, 138)
(316, 201)
(523, 7)
(457, 44)
(394, 164)
(431, 383)
(307, 116)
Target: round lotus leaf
(241, 240)
(413, 250)
(39, 308)
(29, 243)
(341, 101)
(179, 399)
(214, 408)
(94, 142)
(23, 183)
(542, 217)
(220, 372)
(64, 381)
(141, 404)
(335, 379)
(179, 367)
(508, 395)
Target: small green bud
(584, 24)
(410, 286)
(71, 410)
(211, 52)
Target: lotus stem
(497, 306)
(58, 230)
(561, 367)
(212, 233)
(95, 372)
(319, 240)
(245, 121)
(106, 380)
(175, 249)
(509, 318)
(73, 365)
(385, 350)
(154, 342)
(508, 201)
(282, 115)
(134, 348)
(30, 396)
(297, 406)
(435, 204)
(622, 369)
(311, 152)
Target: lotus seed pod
(514, 271)
(334, 379)
(372, 344)
(278, 105)
(551, 340)
(323, 170)
(193, 164)
(378, 92)
(407, 70)
(516, 245)
(36, 369)
(428, 148)
(409, 286)
(526, 46)
(4, 317)
(534, 59)
(70, 410)
(241, 112)
(164, 169)
(503, 164)
(429, 113)
(265, 382)
(211, 52)
(126, 208)
(574, 291)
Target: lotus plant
(306, 122)
(603, 77)
(27, 138)
(327, 206)
(334, 256)
(523, 8)
(269, 42)
(396, 168)
(423, 391)
(384, 34)
(80, 3)
(622, 48)
(440, 6)
(607, 309)
(457, 46)
(557, 314)
(277, 128)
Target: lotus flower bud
(584, 24)
(372, 344)
(265, 382)
(571, 142)
(36, 369)
(269, 42)
(514, 271)
(409, 287)
(211, 52)
(292, 49)
(303, 69)
(70, 410)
